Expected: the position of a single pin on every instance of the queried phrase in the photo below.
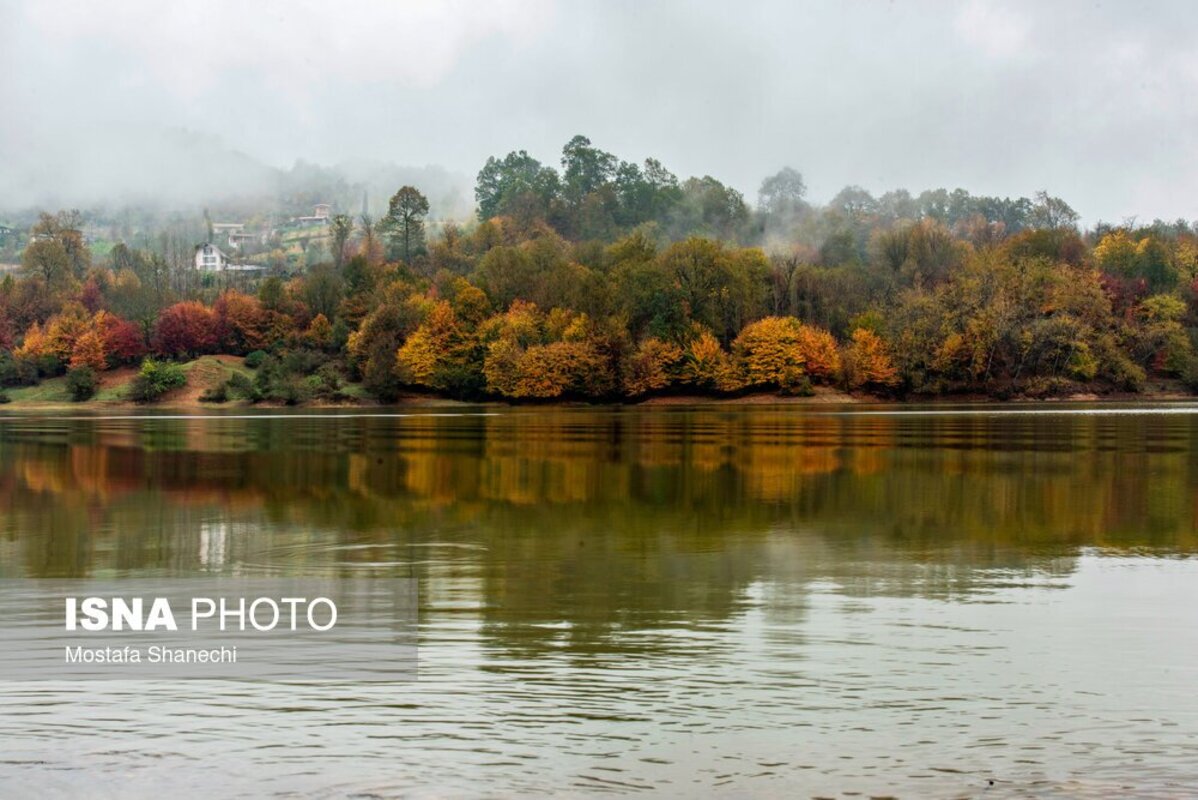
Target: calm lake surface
(719, 601)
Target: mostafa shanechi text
(261, 629)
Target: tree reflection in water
(581, 527)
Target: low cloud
(1003, 99)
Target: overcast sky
(1095, 102)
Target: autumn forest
(604, 280)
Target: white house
(210, 258)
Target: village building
(210, 258)
(237, 239)
(235, 236)
(227, 228)
(320, 216)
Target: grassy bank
(204, 374)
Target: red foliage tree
(91, 296)
(186, 329)
(1124, 293)
(123, 340)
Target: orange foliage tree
(654, 366)
(241, 322)
(89, 352)
(57, 339)
(867, 362)
(820, 353)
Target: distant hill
(184, 171)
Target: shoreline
(823, 396)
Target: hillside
(203, 374)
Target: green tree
(585, 169)
(405, 222)
(710, 208)
(517, 185)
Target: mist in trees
(599, 278)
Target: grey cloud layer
(1090, 102)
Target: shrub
(47, 365)
(82, 383)
(242, 386)
(1042, 386)
(1189, 374)
(269, 369)
(330, 376)
(800, 388)
(4, 398)
(303, 361)
(255, 359)
(292, 390)
(275, 381)
(459, 381)
(156, 379)
(215, 394)
(16, 371)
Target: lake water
(719, 601)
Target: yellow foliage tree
(501, 367)
(867, 362)
(470, 303)
(768, 352)
(64, 329)
(1116, 252)
(437, 343)
(320, 331)
(34, 344)
(523, 323)
(706, 366)
(551, 370)
(416, 360)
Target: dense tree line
(607, 280)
